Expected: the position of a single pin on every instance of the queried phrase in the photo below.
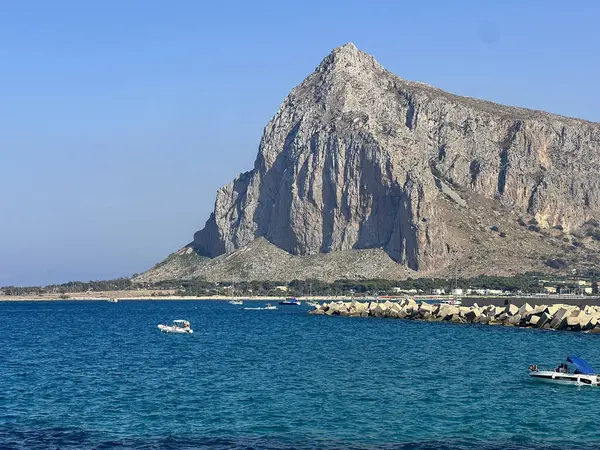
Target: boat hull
(565, 378)
(174, 330)
(261, 308)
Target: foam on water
(96, 374)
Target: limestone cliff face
(359, 158)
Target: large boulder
(573, 322)
(472, 314)
(559, 321)
(396, 307)
(411, 306)
(378, 310)
(511, 309)
(585, 321)
(538, 310)
(343, 307)
(551, 310)
(456, 318)
(425, 307)
(359, 306)
(447, 311)
(484, 319)
(533, 320)
(525, 309)
(513, 320)
(462, 310)
(544, 319)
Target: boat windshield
(181, 323)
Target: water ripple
(100, 375)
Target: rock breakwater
(553, 317)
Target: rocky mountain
(364, 174)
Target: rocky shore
(551, 317)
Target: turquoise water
(101, 375)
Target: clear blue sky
(119, 120)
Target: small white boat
(453, 301)
(269, 306)
(581, 375)
(112, 300)
(179, 326)
(236, 302)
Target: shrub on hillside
(558, 263)
(595, 234)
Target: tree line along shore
(488, 286)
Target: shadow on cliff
(387, 219)
(272, 216)
(389, 223)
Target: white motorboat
(179, 326)
(112, 300)
(453, 301)
(581, 375)
(269, 306)
(236, 302)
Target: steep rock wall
(357, 157)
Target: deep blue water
(101, 375)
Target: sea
(86, 374)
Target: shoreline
(466, 300)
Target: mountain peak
(357, 158)
(348, 47)
(346, 57)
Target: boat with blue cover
(290, 301)
(579, 374)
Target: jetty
(584, 318)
